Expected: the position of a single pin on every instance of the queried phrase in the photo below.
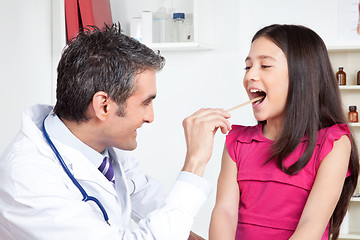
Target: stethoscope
(86, 197)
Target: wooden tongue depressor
(245, 103)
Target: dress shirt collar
(57, 130)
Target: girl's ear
(101, 105)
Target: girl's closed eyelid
(262, 66)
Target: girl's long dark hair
(313, 103)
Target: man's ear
(101, 104)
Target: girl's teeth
(254, 90)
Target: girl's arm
(325, 192)
(225, 214)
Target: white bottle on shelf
(161, 26)
(146, 27)
(135, 28)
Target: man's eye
(247, 68)
(265, 66)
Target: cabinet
(200, 13)
(348, 57)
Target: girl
(292, 175)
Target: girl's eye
(265, 66)
(247, 67)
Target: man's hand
(200, 129)
(194, 236)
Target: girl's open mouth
(257, 93)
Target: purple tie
(106, 169)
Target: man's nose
(149, 114)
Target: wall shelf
(355, 199)
(343, 48)
(354, 124)
(347, 56)
(201, 13)
(180, 46)
(349, 236)
(349, 87)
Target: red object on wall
(82, 13)
(72, 18)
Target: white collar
(57, 130)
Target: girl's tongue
(258, 93)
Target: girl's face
(267, 75)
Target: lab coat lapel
(83, 169)
(120, 183)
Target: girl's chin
(261, 120)
(258, 117)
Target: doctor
(67, 175)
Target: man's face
(121, 131)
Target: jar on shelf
(341, 76)
(180, 33)
(353, 114)
(358, 78)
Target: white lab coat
(39, 201)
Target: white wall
(25, 62)
(189, 81)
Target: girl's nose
(251, 74)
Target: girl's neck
(271, 130)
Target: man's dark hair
(100, 60)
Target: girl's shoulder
(333, 133)
(246, 133)
(326, 138)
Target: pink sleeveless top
(271, 201)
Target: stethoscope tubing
(86, 197)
